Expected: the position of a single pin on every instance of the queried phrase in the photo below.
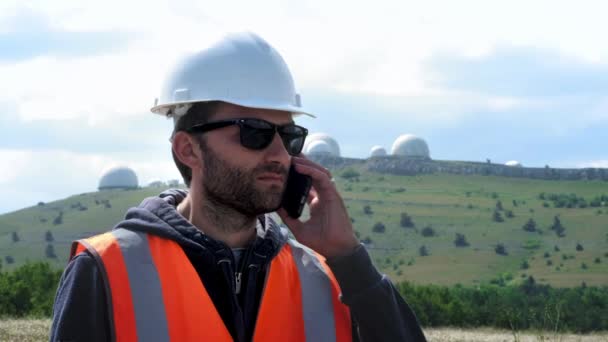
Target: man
(211, 263)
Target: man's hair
(199, 113)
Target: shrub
(367, 210)
(549, 262)
(584, 266)
(499, 205)
(15, 237)
(9, 259)
(350, 174)
(367, 240)
(531, 244)
(514, 203)
(50, 251)
(461, 240)
(48, 236)
(59, 219)
(379, 227)
(597, 260)
(40, 204)
(406, 220)
(509, 214)
(428, 231)
(579, 247)
(524, 265)
(500, 249)
(547, 255)
(470, 206)
(423, 251)
(494, 195)
(556, 248)
(497, 217)
(530, 225)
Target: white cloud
(595, 163)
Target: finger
(312, 195)
(310, 163)
(320, 180)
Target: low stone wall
(407, 166)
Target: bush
(597, 260)
(406, 221)
(499, 205)
(367, 240)
(500, 249)
(379, 227)
(9, 259)
(367, 210)
(461, 240)
(15, 237)
(509, 214)
(584, 266)
(59, 219)
(469, 206)
(350, 174)
(428, 231)
(549, 262)
(530, 226)
(423, 251)
(48, 236)
(524, 265)
(50, 251)
(547, 255)
(579, 247)
(556, 248)
(497, 217)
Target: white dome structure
(120, 177)
(411, 146)
(377, 151)
(332, 144)
(513, 163)
(319, 147)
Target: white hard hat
(241, 69)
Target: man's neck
(219, 222)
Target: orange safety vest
(155, 294)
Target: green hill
(440, 206)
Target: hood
(158, 215)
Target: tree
(350, 174)
(367, 210)
(461, 240)
(15, 237)
(579, 247)
(9, 259)
(50, 251)
(59, 219)
(406, 220)
(557, 227)
(509, 214)
(497, 217)
(428, 231)
(524, 265)
(530, 226)
(48, 236)
(500, 249)
(499, 205)
(379, 227)
(423, 251)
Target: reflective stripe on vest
(299, 303)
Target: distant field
(449, 204)
(38, 330)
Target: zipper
(237, 280)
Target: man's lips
(272, 177)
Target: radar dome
(409, 145)
(118, 178)
(334, 148)
(513, 163)
(319, 147)
(377, 151)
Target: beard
(232, 187)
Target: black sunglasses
(257, 134)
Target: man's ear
(186, 149)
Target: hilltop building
(120, 177)
(411, 146)
(321, 143)
(513, 163)
(377, 151)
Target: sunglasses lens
(293, 138)
(256, 134)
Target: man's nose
(276, 151)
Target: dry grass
(24, 330)
(492, 335)
(28, 330)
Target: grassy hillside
(449, 204)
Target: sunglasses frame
(243, 124)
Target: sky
(498, 80)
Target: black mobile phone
(296, 192)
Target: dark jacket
(80, 312)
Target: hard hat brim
(296, 110)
